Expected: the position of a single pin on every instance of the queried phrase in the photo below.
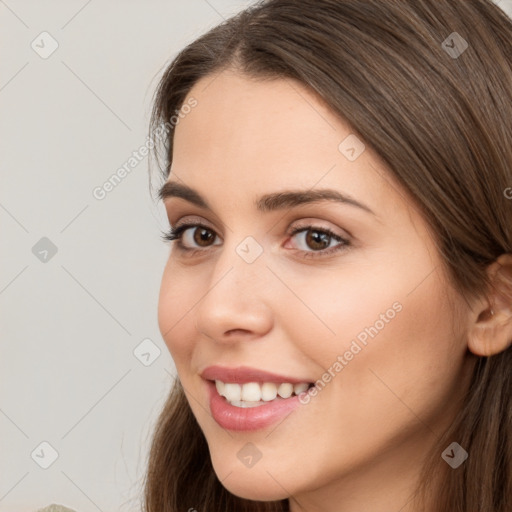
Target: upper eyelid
(194, 221)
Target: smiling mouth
(256, 394)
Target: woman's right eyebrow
(269, 202)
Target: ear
(490, 331)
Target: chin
(249, 483)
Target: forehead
(253, 136)
(271, 116)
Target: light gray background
(69, 326)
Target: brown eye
(191, 237)
(202, 236)
(317, 240)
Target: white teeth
(251, 392)
(220, 386)
(285, 390)
(268, 391)
(300, 388)
(232, 392)
(254, 394)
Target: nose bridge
(241, 264)
(237, 298)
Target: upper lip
(244, 374)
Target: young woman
(338, 296)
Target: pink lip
(252, 418)
(244, 374)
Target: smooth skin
(360, 443)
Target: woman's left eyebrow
(268, 202)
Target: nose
(236, 300)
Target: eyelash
(175, 234)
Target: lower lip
(248, 418)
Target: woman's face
(370, 319)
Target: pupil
(204, 236)
(321, 238)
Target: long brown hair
(442, 123)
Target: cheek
(393, 348)
(406, 368)
(175, 301)
(383, 302)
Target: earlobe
(491, 330)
